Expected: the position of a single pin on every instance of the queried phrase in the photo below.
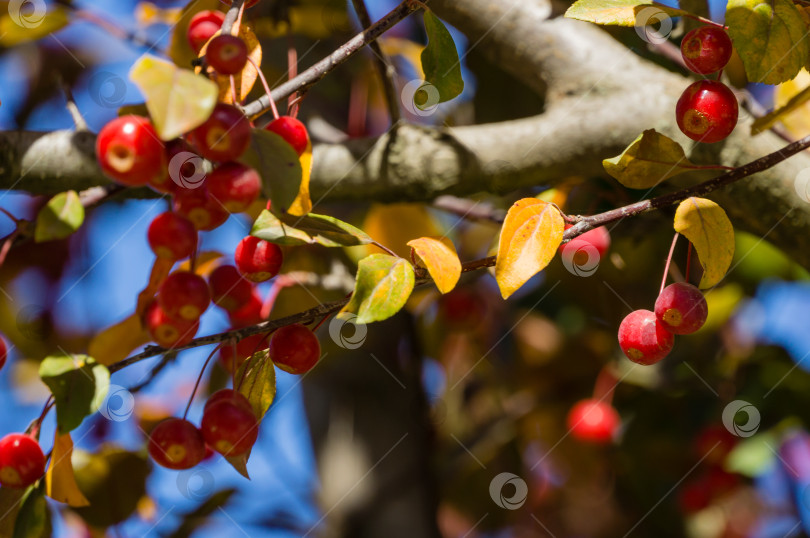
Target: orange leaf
(529, 238)
(160, 270)
(206, 263)
(440, 258)
(115, 343)
(60, 482)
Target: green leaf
(113, 480)
(61, 216)
(649, 160)
(278, 165)
(178, 100)
(259, 383)
(10, 501)
(79, 385)
(752, 456)
(770, 37)
(383, 286)
(440, 64)
(30, 21)
(619, 12)
(270, 228)
(34, 518)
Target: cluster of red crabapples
(707, 110)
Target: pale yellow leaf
(60, 482)
(706, 225)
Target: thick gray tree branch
(599, 97)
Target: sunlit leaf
(792, 107)
(177, 99)
(383, 286)
(529, 238)
(649, 160)
(302, 203)
(79, 385)
(34, 517)
(405, 48)
(116, 342)
(440, 259)
(259, 383)
(328, 231)
(706, 225)
(29, 21)
(278, 165)
(206, 262)
(440, 64)
(770, 36)
(60, 482)
(618, 12)
(270, 228)
(60, 217)
(147, 14)
(160, 270)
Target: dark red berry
(184, 296)
(176, 443)
(230, 395)
(229, 428)
(462, 309)
(130, 152)
(707, 111)
(227, 54)
(224, 136)
(202, 27)
(706, 49)
(597, 239)
(234, 185)
(229, 290)
(294, 349)
(258, 260)
(593, 421)
(292, 131)
(681, 308)
(199, 207)
(3, 352)
(643, 338)
(244, 348)
(172, 236)
(21, 461)
(167, 331)
(249, 314)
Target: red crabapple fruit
(176, 443)
(21, 461)
(258, 260)
(681, 308)
(643, 338)
(294, 349)
(707, 111)
(130, 152)
(184, 296)
(706, 49)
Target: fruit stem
(669, 259)
(266, 89)
(323, 319)
(388, 250)
(9, 215)
(49, 403)
(688, 262)
(235, 28)
(292, 70)
(4, 250)
(604, 386)
(698, 18)
(233, 89)
(199, 378)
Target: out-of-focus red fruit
(593, 421)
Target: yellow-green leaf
(649, 160)
(61, 216)
(177, 99)
(770, 36)
(302, 203)
(259, 383)
(617, 12)
(706, 225)
(529, 238)
(383, 286)
(60, 482)
(791, 100)
(440, 257)
(29, 21)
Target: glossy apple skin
(224, 136)
(203, 211)
(227, 54)
(291, 130)
(229, 290)
(706, 49)
(234, 185)
(130, 152)
(294, 349)
(21, 461)
(643, 339)
(172, 236)
(236, 398)
(167, 331)
(258, 260)
(202, 27)
(707, 111)
(229, 428)
(176, 444)
(681, 308)
(184, 296)
(244, 349)
(593, 421)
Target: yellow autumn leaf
(206, 262)
(393, 225)
(411, 51)
(115, 343)
(60, 482)
(791, 101)
(706, 225)
(160, 270)
(529, 238)
(302, 203)
(440, 257)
